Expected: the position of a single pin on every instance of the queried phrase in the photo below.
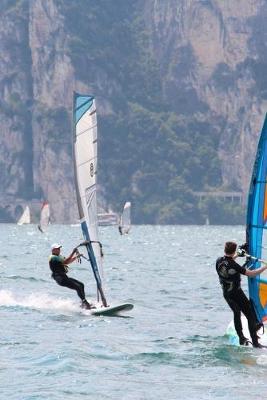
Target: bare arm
(71, 257)
(256, 272)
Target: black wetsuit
(230, 279)
(59, 273)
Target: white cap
(56, 246)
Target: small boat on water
(107, 219)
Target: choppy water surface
(172, 345)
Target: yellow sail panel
(263, 294)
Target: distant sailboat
(125, 219)
(85, 173)
(25, 217)
(44, 217)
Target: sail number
(92, 169)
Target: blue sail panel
(257, 225)
(81, 105)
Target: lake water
(171, 346)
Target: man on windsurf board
(59, 267)
(229, 273)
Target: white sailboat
(25, 217)
(44, 217)
(85, 172)
(125, 219)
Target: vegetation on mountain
(178, 107)
(149, 153)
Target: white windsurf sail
(125, 219)
(85, 170)
(44, 217)
(25, 217)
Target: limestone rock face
(53, 84)
(207, 53)
(211, 56)
(15, 102)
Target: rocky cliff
(168, 76)
(53, 81)
(209, 52)
(16, 153)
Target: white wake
(38, 301)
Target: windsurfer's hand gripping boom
(254, 272)
(242, 252)
(72, 257)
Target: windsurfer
(229, 275)
(59, 267)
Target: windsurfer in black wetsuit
(229, 275)
(59, 267)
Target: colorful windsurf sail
(125, 219)
(25, 217)
(256, 232)
(85, 170)
(44, 217)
